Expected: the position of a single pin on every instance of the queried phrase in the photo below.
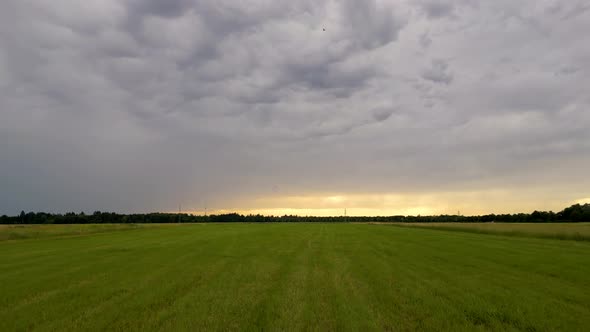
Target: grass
(19, 232)
(559, 231)
(282, 277)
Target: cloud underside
(143, 105)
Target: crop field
(281, 277)
(564, 231)
(14, 232)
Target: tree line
(574, 213)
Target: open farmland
(297, 276)
(14, 232)
(564, 231)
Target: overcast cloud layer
(142, 105)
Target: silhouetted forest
(574, 213)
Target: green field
(564, 231)
(15, 232)
(278, 277)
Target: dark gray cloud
(371, 24)
(438, 72)
(142, 105)
(425, 40)
(167, 9)
(382, 114)
(437, 8)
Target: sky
(306, 107)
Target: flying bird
(324, 29)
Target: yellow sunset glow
(387, 204)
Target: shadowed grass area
(558, 231)
(321, 277)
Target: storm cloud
(141, 105)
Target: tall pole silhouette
(179, 211)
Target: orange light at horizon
(468, 203)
